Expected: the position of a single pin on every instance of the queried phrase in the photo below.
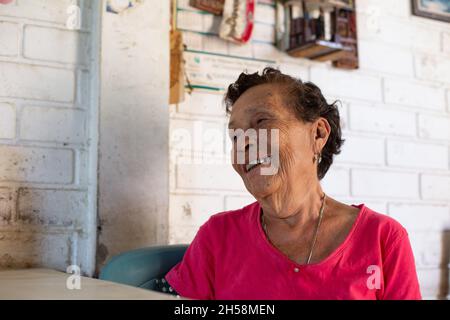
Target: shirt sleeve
(399, 271)
(193, 277)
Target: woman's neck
(288, 212)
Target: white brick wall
(395, 117)
(435, 187)
(382, 119)
(7, 121)
(22, 80)
(67, 125)
(63, 45)
(47, 190)
(413, 93)
(9, 38)
(34, 164)
(384, 184)
(51, 207)
(340, 83)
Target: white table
(46, 284)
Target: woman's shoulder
(231, 220)
(234, 216)
(383, 220)
(386, 227)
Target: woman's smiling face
(263, 107)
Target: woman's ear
(322, 132)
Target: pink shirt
(230, 258)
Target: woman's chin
(261, 187)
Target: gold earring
(317, 157)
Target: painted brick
(46, 10)
(182, 234)
(428, 248)
(265, 51)
(193, 209)
(346, 84)
(190, 21)
(193, 40)
(377, 26)
(432, 68)
(7, 121)
(238, 202)
(55, 45)
(435, 187)
(214, 44)
(375, 183)
(36, 82)
(199, 136)
(240, 50)
(66, 208)
(33, 249)
(446, 42)
(382, 120)
(398, 61)
(36, 164)
(417, 155)
(362, 150)
(398, 8)
(184, 4)
(294, 70)
(421, 217)
(208, 177)
(414, 94)
(6, 206)
(9, 39)
(202, 103)
(65, 125)
(263, 32)
(434, 127)
(448, 100)
(265, 14)
(431, 283)
(336, 181)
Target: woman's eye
(261, 121)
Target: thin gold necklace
(315, 233)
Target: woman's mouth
(255, 163)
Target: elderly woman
(294, 242)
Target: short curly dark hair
(304, 97)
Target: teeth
(265, 160)
(255, 162)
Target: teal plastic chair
(143, 268)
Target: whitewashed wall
(48, 134)
(56, 117)
(396, 122)
(134, 125)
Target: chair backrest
(143, 267)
